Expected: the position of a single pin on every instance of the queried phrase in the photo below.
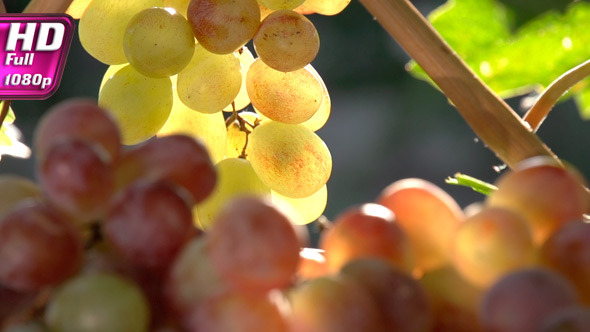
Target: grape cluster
(177, 66)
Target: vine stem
(45, 6)
(539, 111)
(496, 124)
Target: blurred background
(385, 124)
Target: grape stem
(496, 124)
(44, 6)
(473, 183)
(539, 111)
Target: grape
(210, 81)
(14, 189)
(264, 12)
(234, 312)
(428, 215)
(38, 247)
(253, 246)
(368, 230)
(524, 190)
(312, 264)
(102, 27)
(158, 42)
(242, 100)
(179, 5)
(111, 70)
(12, 303)
(333, 304)
(222, 26)
(320, 117)
(153, 213)
(31, 326)
(308, 208)
(235, 178)
(281, 4)
(571, 319)
(81, 119)
(323, 7)
(568, 251)
(208, 128)
(519, 301)
(400, 299)
(192, 278)
(236, 137)
(289, 159)
(490, 244)
(140, 104)
(292, 97)
(99, 302)
(286, 41)
(179, 159)
(77, 179)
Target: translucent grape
(281, 4)
(292, 97)
(312, 264)
(490, 244)
(242, 100)
(428, 215)
(309, 208)
(140, 104)
(158, 42)
(286, 41)
(320, 117)
(210, 81)
(111, 70)
(38, 247)
(98, 303)
(77, 179)
(208, 128)
(323, 7)
(235, 178)
(253, 246)
(236, 137)
(179, 5)
(105, 41)
(366, 231)
(222, 26)
(153, 213)
(289, 159)
(77, 118)
(524, 190)
(519, 301)
(14, 189)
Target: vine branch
(496, 124)
(45, 6)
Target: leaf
(513, 62)
(10, 139)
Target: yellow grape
(236, 138)
(323, 7)
(235, 177)
(77, 8)
(179, 5)
(111, 70)
(208, 128)
(210, 81)
(292, 97)
(319, 119)
(158, 42)
(309, 208)
(14, 189)
(140, 104)
(290, 159)
(281, 4)
(242, 100)
(103, 24)
(264, 12)
(286, 41)
(222, 26)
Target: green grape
(320, 117)
(323, 7)
(179, 5)
(309, 208)
(98, 303)
(292, 97)
(290, 159)
(286, 41)
(242, 100)
(210, 81)
(235, 178)
(14, 189)
(208, 128)
(158, 42)
(111, 70)
(103, 24)
(236, 138)
(222, 26)
(140, 104)
(281, 4)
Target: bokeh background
(385, 124)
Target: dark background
(385, 125)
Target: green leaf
(10, 139)
(513, 62)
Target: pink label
(33, 52)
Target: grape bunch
(184, 67)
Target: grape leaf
(10, 139)
(513, 62)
